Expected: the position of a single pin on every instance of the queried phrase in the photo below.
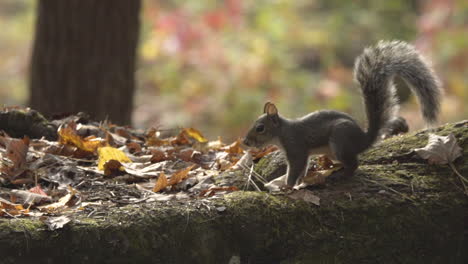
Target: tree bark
(84, 58)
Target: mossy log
(396, 209)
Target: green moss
(389, 212)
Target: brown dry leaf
(195, 134)
(158, 155)
(318, 174)
(258, 154)
(152, 139)
(133, 147)
(109, 153)
(68, 135)
(234, 148)
(179, 175)
(440, 149)
(324, 163)
(16, 151)
(11, 209)
(181, 139)
(317, 177)
(161, 183)
(113, 168)
(61, 205)
(123, 132)
(186, 154)
(62, 150)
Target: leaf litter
(92, 166)
(101, 164)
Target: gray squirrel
(337, 134)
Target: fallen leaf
(113, 168)
(195, 134)
(161, 183)
(234, 148)
(181, 139)
(152, 139)
(186, 154)
(16, 151)
(277, 184)
(62, 203)
(37, 189)
(57, 222)
(324, 163)
(11, 209)
(69, 135)
(179, 176)
(27, 197)
(244, 162)
(158, 155)
(109, 153)
(260, 153)
(440, 149)
(316, 177)
(123, 132)
(221, 208)
(133, 147)
(216, 145)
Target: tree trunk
(84, 58)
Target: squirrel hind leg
(347, 140)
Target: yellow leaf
(161, 183)
(68, 135)
(109, 153)
(193, 133)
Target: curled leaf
(440, 149)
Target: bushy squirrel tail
(374, 70)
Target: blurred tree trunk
(84, 58)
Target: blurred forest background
(213, 64)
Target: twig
(259, 177)
(250, 178)
(462, 179)
(391, 189)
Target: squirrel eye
(260, 128)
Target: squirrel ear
(270, 109)
(265, 107)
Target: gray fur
(374, 71)
(338, 134)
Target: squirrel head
(264, 129)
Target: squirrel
(337, 134)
